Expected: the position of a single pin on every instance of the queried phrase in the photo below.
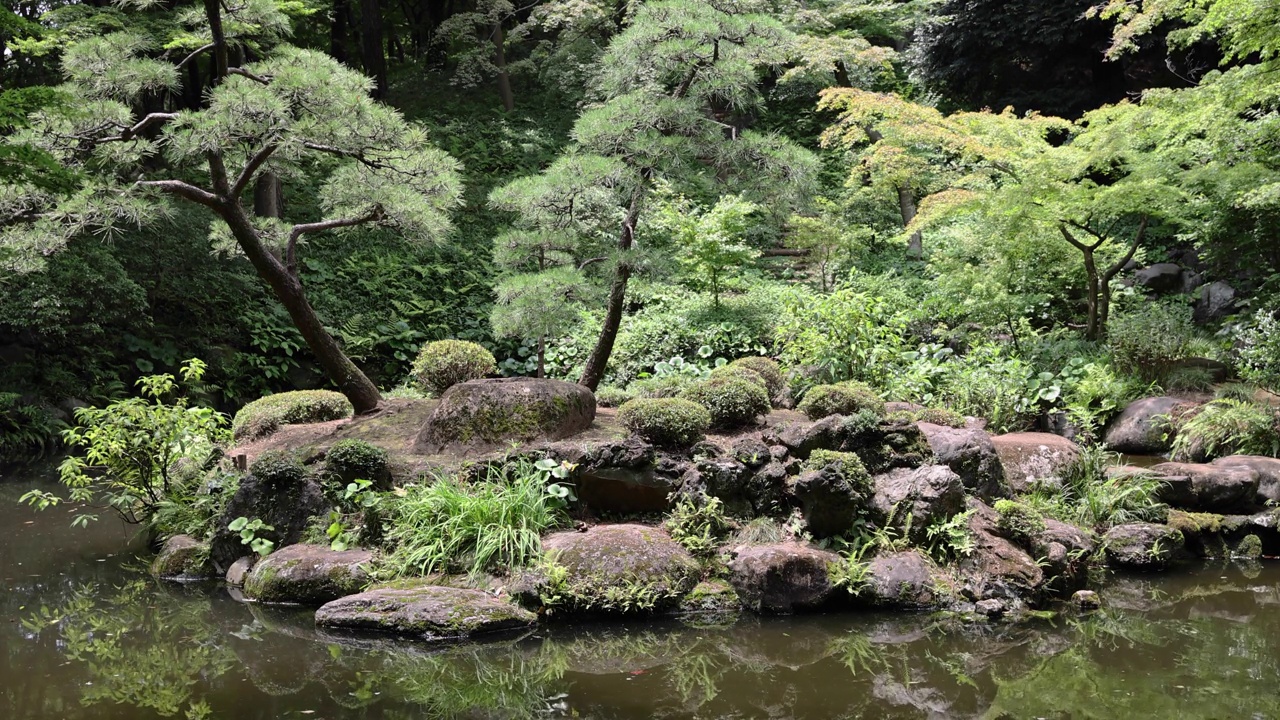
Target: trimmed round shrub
(280, 468)
(664, 386)
(740, 372)
(847, 464)
(352, 459)
(444, 363)
(669, 422)
(732, 401)
(612, 397)
(265, 415)
(769, 371)
(845, 398)
(939, 416)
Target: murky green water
(85, 636)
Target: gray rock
(751, 452)
(1217, 300)
(1213, 488)
(1029, 459)
(1268, 470)
(900, 580)
(288, 510)
(308, 575)
(426, 612)
(183, 558)
(1086, 600)
(1142, 546)
(782, 578)
(802, 438)
(991, 607)
(1141, 428)
(1161, 277)
(828, 501)
(969, 452)
(997, 567)
(606, 558)
(929, 494)
(239, 570)
(491, 413)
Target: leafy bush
(1259, 351)
(845, 335)
(265, 415)
(353, 459)
(662, 386)
(698, 523)
(768, 370)
(1148, 339)
(445, 363)
(1020, 523)
(27, 431)
(668, 422)
(985, 382)
(845, 398)
(494, 524)
(1097, 392)
(732, 402)
(847, 464)
(737, 371)
(612, 397)
(939, 416)
(1228, 427)
(279, 468)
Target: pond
(87, 635)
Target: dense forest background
(1010, 208)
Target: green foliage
(27, 431)
(661, 386)
(445, 363)
(740, 372)
(279, 468)
(264, 416)
(128, 454)
(698, 523)
(767, 369)
(248, 531)
(1097, 392)
(948, 539)
(354, 459)
(851, 572)
(612, 397)
(1019, 522)
(845, 398)
(709, 244)
(1259, 350)
(845, 335)
(1090, 499)
(494, 524)
(848, 465)
(1228, 427)
(732, 402)
(1149, 339)
(667, 422)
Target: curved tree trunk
(593, 373)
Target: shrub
(1098, 392)
(842, 399)
(1228, 427)
(280, 468)
(612, 397)
(1190, 377)
(742, 373)
(769, 371)
(492, 524)
(27, 431)
(1090, 499)
(1149, 339)
(265, 415)
(668, 422)
(663, 386)
(1259, 351)
(352, 459)
(939, 416)
(847, 464)
(445, 363)
(698, 523)
(732, 402)
(1017, 521)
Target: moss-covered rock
(264, 416)
(1018, 522)
(615, 569)
(308, 575)
(732, 401)
(667, 422)
(182, 557)
(1142, 546)
(711, 602)
(444, 363)
(494, 413)
(840, 399)
(426, 612)
(782, 578)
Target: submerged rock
(1029, 459)
(619, 568)
(1210, 488)
(969, 452)
(493, 412)
(1086, 600)
(426, 612)
(183, 558)
(308, 575)
(1142, 546)
(711, 601)
(783, 577)
(1142, 428)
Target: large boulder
(619, 568)
(1210, 488)
(828, 500)
(426, 612)
(928, 495)
(905, 579)
(286, 507)
(997, 568)
(492, 413)
(183, 558)
(1161, 277)
(1217, 300)
(1142, 546)
(882, 446)
(969, 452)
(308, 575)
(783, 577)
(1268, 470)
(1029, 458)
(1142, 428)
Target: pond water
(86, 635)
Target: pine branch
(291, 251)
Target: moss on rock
(493, 413)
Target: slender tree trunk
(1092, 331)
(542, 356)
(351, 382)
(500, 59)
(593, 373)
(339, 29)
(375, 59)
(213, 13)
(907, 205)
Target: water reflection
(88, 639)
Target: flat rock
(1141, 428)
(1268, 470)
(1161, 277)
(1142, 546)
(783, 577)
(1211, 488)
(1031, 458)
(490, 413)
(308, 575)
(969, 452)
(426, 612)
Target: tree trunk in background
(375, 60)
(500, 59)
(268, 196)
(339, 30)
(907, 204)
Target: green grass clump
(612, 397)
(768, 370)
(842, 399)
(1228, 427)
(668, 422)
(265, 415)
(492, 525)
(442, 364)
(732, 401)
(1089, 498)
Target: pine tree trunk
(593, 373)
(268, 196)
(500, 59)
(375, 60)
